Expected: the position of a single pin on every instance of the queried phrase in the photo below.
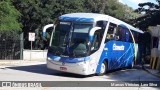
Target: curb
(148, 71)
(18, 62)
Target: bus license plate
(63, 68)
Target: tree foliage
(150, 15)
(115, 9)
(37, 13)
(110, 7)
(95, 6)
(9, 24)
(129, 14)
(9, 16)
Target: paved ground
(37, 71)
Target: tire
(103, 69)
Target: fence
(10, 50)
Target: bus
(90, 43)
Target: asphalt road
(39, 72)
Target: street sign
(31, 36)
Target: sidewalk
(20, 62)
(151, 71)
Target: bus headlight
(55, 59)
(48, 58)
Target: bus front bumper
(77, 68)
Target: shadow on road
(136, 74)
(42, 69)
(125, 74)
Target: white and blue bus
(89, 43)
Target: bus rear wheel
(103, 69)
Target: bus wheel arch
(104, 67)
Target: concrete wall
(34, 54)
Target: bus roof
(93, 17)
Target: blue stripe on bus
(117, 58)
(68, 60)
(76, 19)
(91, 38)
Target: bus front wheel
(103, 69)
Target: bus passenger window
(102, 24)
(123, 38)
(135, 36)
(127, 36)
(130, 38)
(112, 32)
(124, 34)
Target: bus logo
(63, 63)
(115, 47)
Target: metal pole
(21, 46)
(5, 50)
(31, 52)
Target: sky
(134, 3)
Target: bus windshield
(70, 39)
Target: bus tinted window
(112, 30)
(121, 33)
(101, 24)
(124, 34)
(135, 35)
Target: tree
(115, 9)
(95, 6)
(9, 15)
(150, 15)
(37, 13)
(129, 14)
(109, 7)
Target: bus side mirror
(92, 31)
(45, 28)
